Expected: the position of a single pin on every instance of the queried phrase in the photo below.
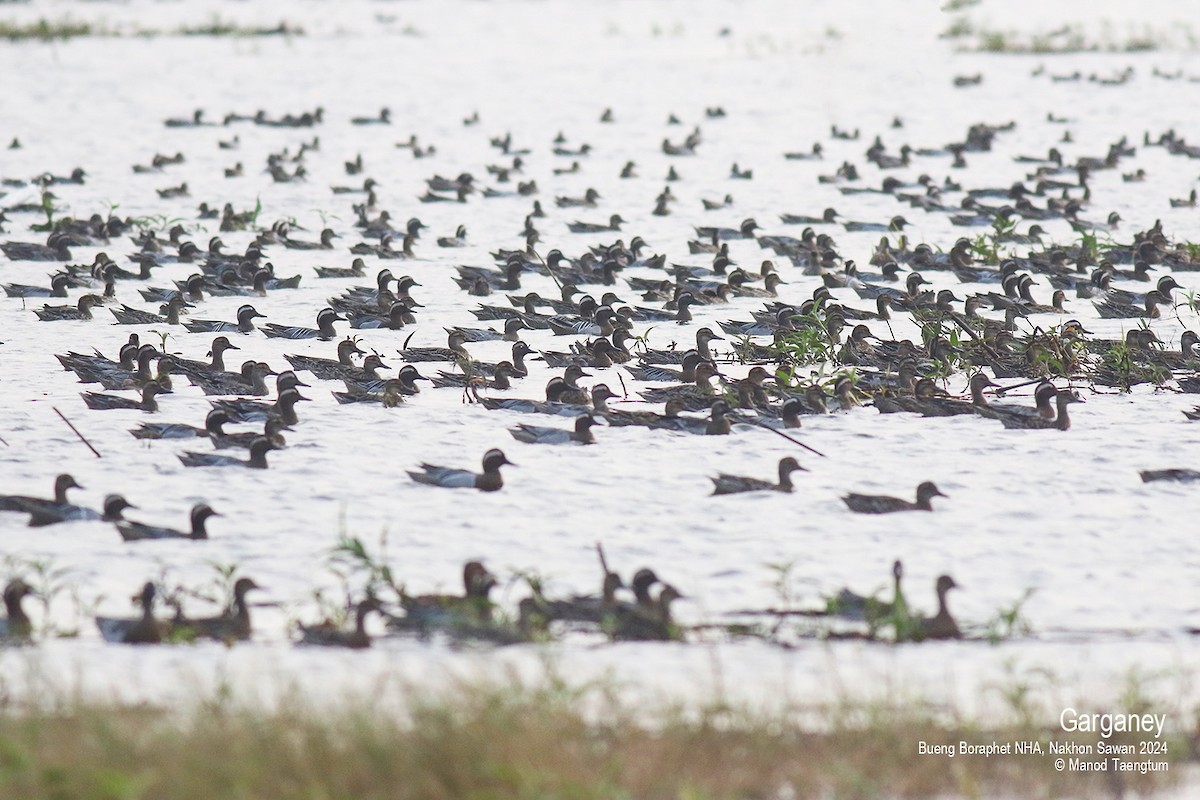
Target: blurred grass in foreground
(527, 740)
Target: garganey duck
(448, 477)
(881, 504)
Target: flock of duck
(808, 351)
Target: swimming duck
(42, 513)
(735, 484)
(326, 243)
(459, 239)
(897, 223)
(437, 611)
(215, 364)
(1180, 475)
(62, 483)
(245, 322)
(673, 356)
(648, 623)
(941, 626)
(109, 402)
(81, 310)
(137, 531)
(326, 634)
(258, 457)
(16, 626)
(744, 231)
(251, 380)
(1043, 406)
(828, 217)
(1062, 421)
(231, 625)
(328, 368)
(512, 328)
(536, 434)
(614, 224)
(139, 630)
(356, 269)
(272, 429)
(448, 477)
(453, 352)
(58, 288)
(880, 504)
(54, 250)
(928, 403)
(697, 395)
(242, 410)
(324, 330)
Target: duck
(447, 610)
(744, 231)
(272, 429)
(453, 352)
(324, 330)
(828, 217)
(329, 368)
(16, 626)
(1061, 421)
(250, 380)
(596, 609)
(1043, 408)
(512, 328)
(536, 434)
(897, 223)
(231, 625)
(725, 483)
(718, 420)
(648, 622)
(215, 364)
(926, 401)
(326, 243)
(139, 630)
(881, 504)
(62, 484)
(357, 269)
(58, 288)
(80, 311)
(257, 460)
(499, 378)
(246, 315)
(327, 634)
(614, 224)
(854, 606)
(489, 480)
(1179, 475)
(43, 513)
(942, 625)
(242, 410)
(704, 336)
(110, 402)
(137, 531)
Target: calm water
(1112, 562)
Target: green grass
(544, 739)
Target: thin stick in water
(77, 433)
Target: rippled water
(1113, 562)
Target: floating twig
(77, 433)
(780, 433)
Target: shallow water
(1112, 562)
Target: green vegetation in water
(50, 30)
(1069, 39)
(986, 246)
(45, 30)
